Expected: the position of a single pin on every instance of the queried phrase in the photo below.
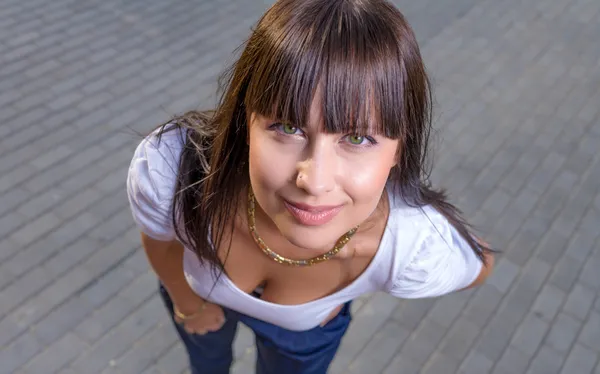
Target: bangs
(351, 61)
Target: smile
(312, 215)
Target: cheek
(366, 181)
(270, 168)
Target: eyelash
(277, 127)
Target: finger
(213, 328)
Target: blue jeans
(278, 350)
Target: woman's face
(316, 186)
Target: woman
(303, 190)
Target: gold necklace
(341, 242)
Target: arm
(443, 263)
(486, 270)
(151, 180)
(166, 259)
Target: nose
(316, 174)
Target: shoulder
(158, 154)
(151, 181)
(430, 258)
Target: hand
(210, 318)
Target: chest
(249, 268)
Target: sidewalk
(517, 87)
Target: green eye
(356, 139)
(289, 129)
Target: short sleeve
(150, 187)
(442, 262)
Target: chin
(316, 240)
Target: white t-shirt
(420, 254)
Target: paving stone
(448, 308)
(548, 303)
(423, 342)
(143, 353)
(15, 177)
(589, 275)
(483, 305)
(12, 199)
(439, 363)
(495, 338)
(460, 338)
(546, 361)
(380, 350)
(57, 355)
(552, 246)
(7, 249)
(26, 259)
(379, 308)
(28, 285)
(579, 302)
(522, 247)
(580, 360)
(117, 308)
(35, 229)
(19, 353)
(563, 333)
(504, 274)
(65, 100)
(417, 349)
(581, 245)
(243, 345)
(175, 360)
(512, 361)
(20, 138)
(590, 333)
(565, 273)
(530, 335)
(410, 313)
(112, 346)
(67, 258)
(41, 203)
(476, 363)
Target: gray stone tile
(530, 335)
(546, 361)
(19, 353)
(459, 339)
(57, 355)
(476, 363)
(590, 333)
(548, 303)
(512, 361)
(563, 333)
(380, 350)
(580, 360)
(579, 302)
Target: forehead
(318, 115)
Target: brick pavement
(517, 90)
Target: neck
(372, 226)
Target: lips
(312, 215)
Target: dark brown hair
(363, 57)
